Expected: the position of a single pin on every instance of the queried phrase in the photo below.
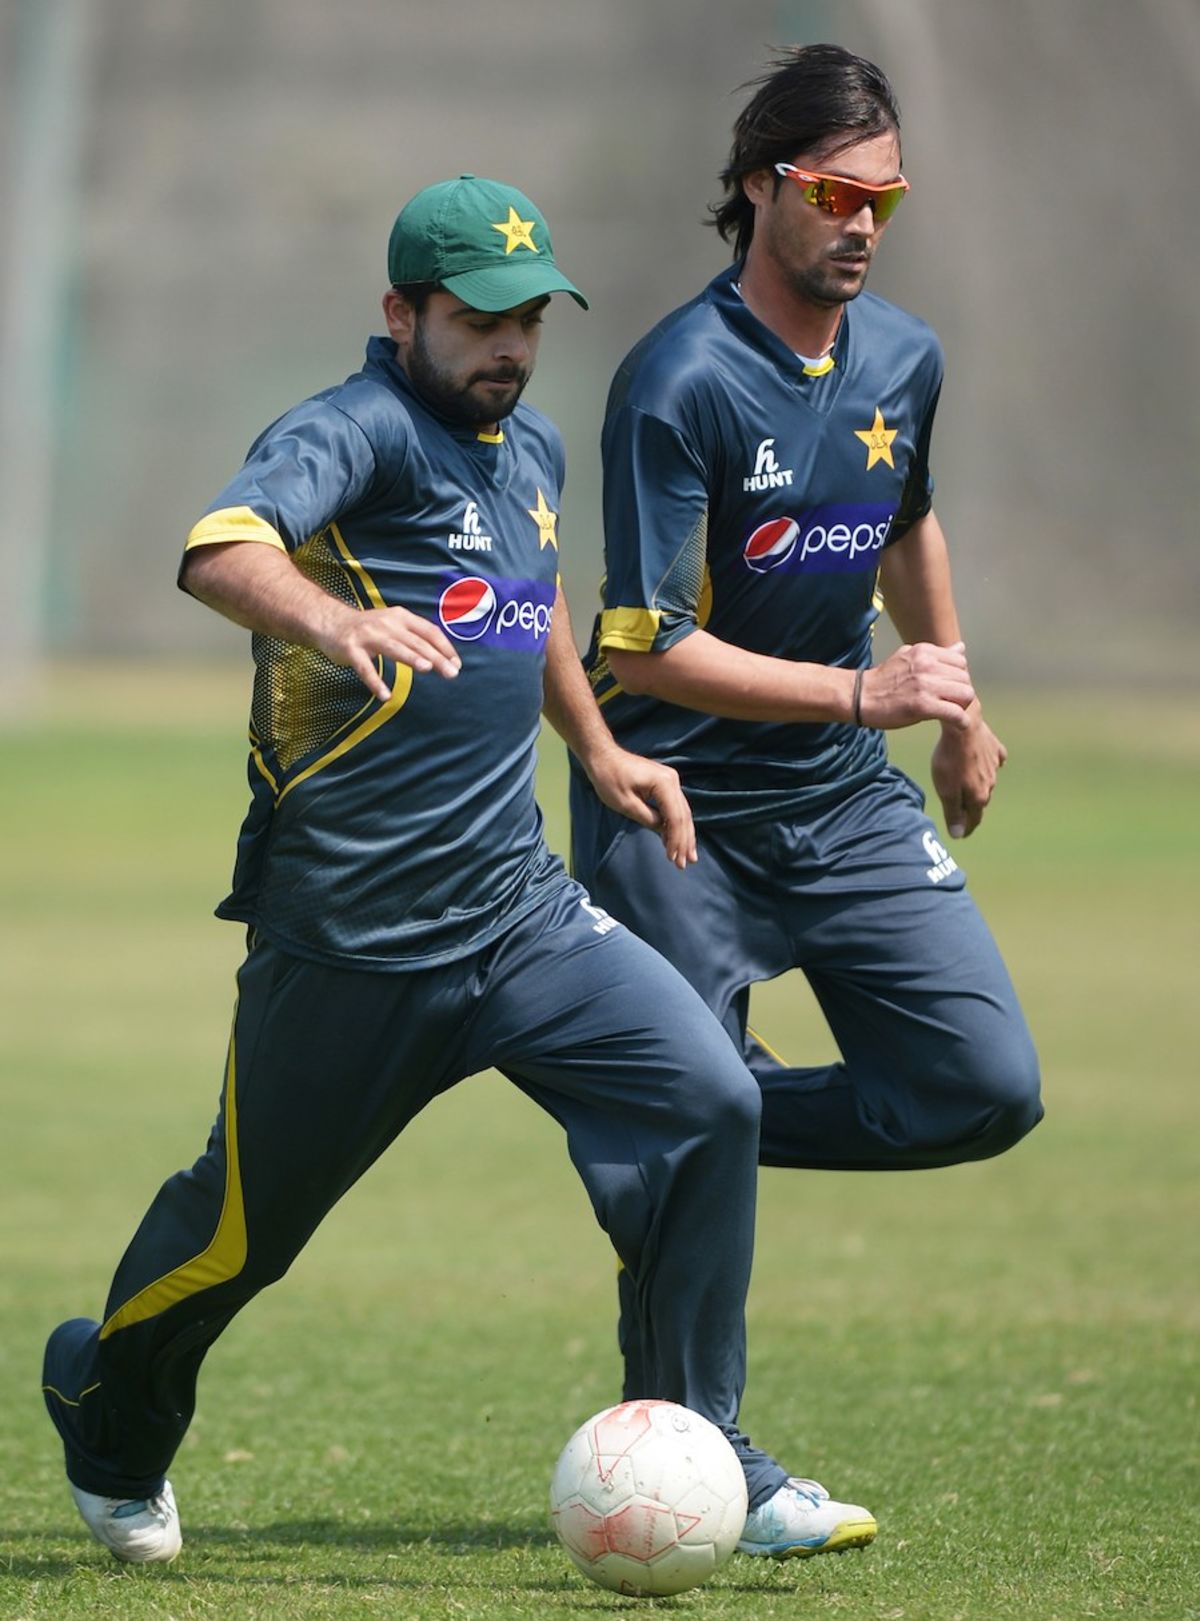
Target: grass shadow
(277, 1542)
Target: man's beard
(818, 279)
(823, 282)
(450, 398)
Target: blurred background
(195, 198)
(195, 201)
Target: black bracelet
(856, 709)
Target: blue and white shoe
(802, 1519)
(139, 1530)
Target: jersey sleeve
(916, 500)
(300, 474)
(558, 459)
(656, 533)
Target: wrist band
(856, 707)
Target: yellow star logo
(517, 233)
(545, 520)
(878, 440)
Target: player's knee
(272, 1254)
(1008, 1094)
(731, 1105)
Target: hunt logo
(767, 474)
(469, 538)
(943, 862)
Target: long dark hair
(810, 95)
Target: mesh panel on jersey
(599, 670)
(301, 698)
(680, 587)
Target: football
(648, 1498)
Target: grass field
(1000, 1359)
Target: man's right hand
(261, 588)
(916, 683)
(357, 639)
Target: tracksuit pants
(325, 1068)
(937, 1063)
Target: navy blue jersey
(401, 833)
(751, 493)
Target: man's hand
(648, 793)
(921, 682)
(261, 588)
(358, 639)
(965, 766)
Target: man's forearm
(567, 699)
(917, 590)
(261, 589)
(702, 672)
(645, 791)
(922, 682)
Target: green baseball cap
(484, 242)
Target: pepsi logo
(771, 544)
(511, 614)
(842, 539)
(467, 607)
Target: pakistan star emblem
(545, 520)
(517, 233)
(878, 440)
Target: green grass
(1000, 1359)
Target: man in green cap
(392, 544)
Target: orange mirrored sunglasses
(837, 195)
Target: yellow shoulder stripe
(632, 628)
(233, 523)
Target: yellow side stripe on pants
(766, 1047)
(226, 1254)
(53, 1390)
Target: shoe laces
(810, 1489)
(126, 1508)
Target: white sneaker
(140, 1530)
(802, 1519)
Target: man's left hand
(965, 766)
(649, 794)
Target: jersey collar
(722, 292)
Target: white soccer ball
(648, 1498)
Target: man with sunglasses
(766, 452)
